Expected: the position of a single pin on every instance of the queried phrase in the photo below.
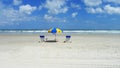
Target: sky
(64, 14)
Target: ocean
(26, 31)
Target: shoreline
(64, 31)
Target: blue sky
(65, 14)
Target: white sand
(85, 51)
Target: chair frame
(68, 37)
(42, 37)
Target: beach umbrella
(54, 31)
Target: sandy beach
(85, 51)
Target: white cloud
(51, 18)
(92, 2)
(8, 15)
(74, 14)
(40, 7)
(48, 17)
(93, 6)
(112, 10)
(17, 2)
(94, 10)
(108, 9)
(28, 9)
(56, 6)
(75, 6)
(90, 10)
(14, 16)
(113, 1)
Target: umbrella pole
(55, 36)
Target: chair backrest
(68, 36)
(42, 36)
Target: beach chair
(67, 39)
(42, 37)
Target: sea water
(37, 31)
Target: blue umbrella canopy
(54, 30)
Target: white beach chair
(67, 39)
(42, 37)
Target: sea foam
(64, 31)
